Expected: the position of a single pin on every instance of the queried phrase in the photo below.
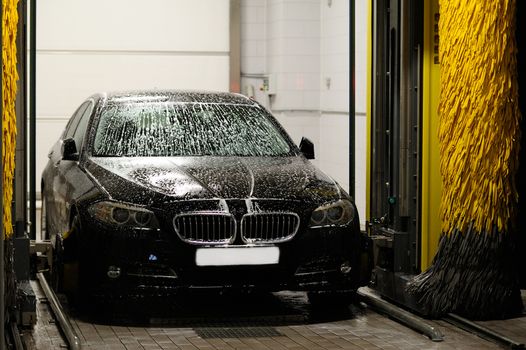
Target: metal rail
(482, 331)
(433, 333)
(16, 336)
(32, 116)
(71, 336)
(400, 315)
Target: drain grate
(237, 332)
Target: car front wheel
(72, 282)
(57, 267)
(44, 226)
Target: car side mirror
(69, 150)
(307, 148)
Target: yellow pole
(431, 182)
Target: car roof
(177, 96)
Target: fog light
(114, 272)
(345, 268)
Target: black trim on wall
(352, 111)
(32, 117)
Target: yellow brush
(474, 272)
(9, 89)
(479, 114)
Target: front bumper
(325, 258)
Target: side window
(74, 121)
(80, 131)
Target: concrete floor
(208, 320)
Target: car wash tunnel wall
(404, 183)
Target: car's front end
(302, 237)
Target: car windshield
(187, 129)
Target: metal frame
(396, 121)
(63, 320)
(352, 102)
(32, 116)
(396, 146)
(400, 315)
(20, 185)
(20, 238)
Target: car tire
(331, 300)
(57, 268)
(74, 284)
(44, 224)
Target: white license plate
(237, 256)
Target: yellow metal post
(431, 181)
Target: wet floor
(208, 308)
(212, 320)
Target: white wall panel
(334, 147)
(302, 28)
(302, 124)
(307, 42)
(136, 25)
(335, 56)
(293, 46)
(47, 133)
(85, 47)
(360, 56)
(253, 37)
(301, 64)
(362, 14)
(64, 81)
(302, 10)
(360, 181)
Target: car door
(63, 185)
(49, 176)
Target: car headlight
(338, 213)
(125, 215)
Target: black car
(160, 190)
